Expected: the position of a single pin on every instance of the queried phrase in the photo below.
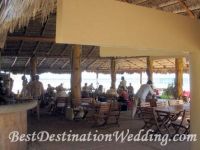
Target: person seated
(99, 90)
(85, 88)
(91, 88)
(112, 92)
(100, 95)
(61, 91)
(124, 99)
(130, 91)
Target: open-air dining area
(99, 74)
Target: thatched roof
(38, 39)
(189, 8)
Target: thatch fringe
(15, 14)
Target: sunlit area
(161, 81)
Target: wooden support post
(113, 73)
(179, 77)
(140, 78)
(97, 79)
(150, 68)
(76, 74)
(33, 63)
(0, 59)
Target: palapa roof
(37, 39)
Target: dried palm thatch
(17, 13)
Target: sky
(159, 80)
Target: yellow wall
(111, 23)
(195, 96)
(125, 52)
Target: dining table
(174, 108)
(169, 114)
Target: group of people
(124, 93)
(34, 88)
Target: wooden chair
(163, 118)
(175, 102)
(150, 120)
(102, 114)
(161, 103)
(142, 104)
(145, 104)
(115, 112)
(78, 107)
(177, 122)
(61, 103)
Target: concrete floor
(58, 124)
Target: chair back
(104, 108)
(175, 102)
(61, 101)
(115, 106)
(145, 104)
(161, 103)
(146, 112)
(86, 100)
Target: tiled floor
(58, 124)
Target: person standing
(36, 90)
(123, 82)
(141, 95)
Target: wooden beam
(149, 68)
(14, 62)
(41, 62)
(31, 38)
(192, 8)
(91, 64)
(49, 51)
(113, 73)
(89, 55)
(27, 62)
(62, 53)
(33, 65)
(54, 62)
(76, 74)
(36, 48)
(183, 4)
(179, 77)
(39, 55)
(29, 59)
(169, 3)
(140, 2)
(65, 64)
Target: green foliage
(169, 92)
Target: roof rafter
(183, 4)
(89, 55)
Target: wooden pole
(149, 68)
(140, 78)
(33, 63)
(97, 79)
(76, 74)
(179, 77)
(113, 73)
(0, 59)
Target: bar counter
(13, 117)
